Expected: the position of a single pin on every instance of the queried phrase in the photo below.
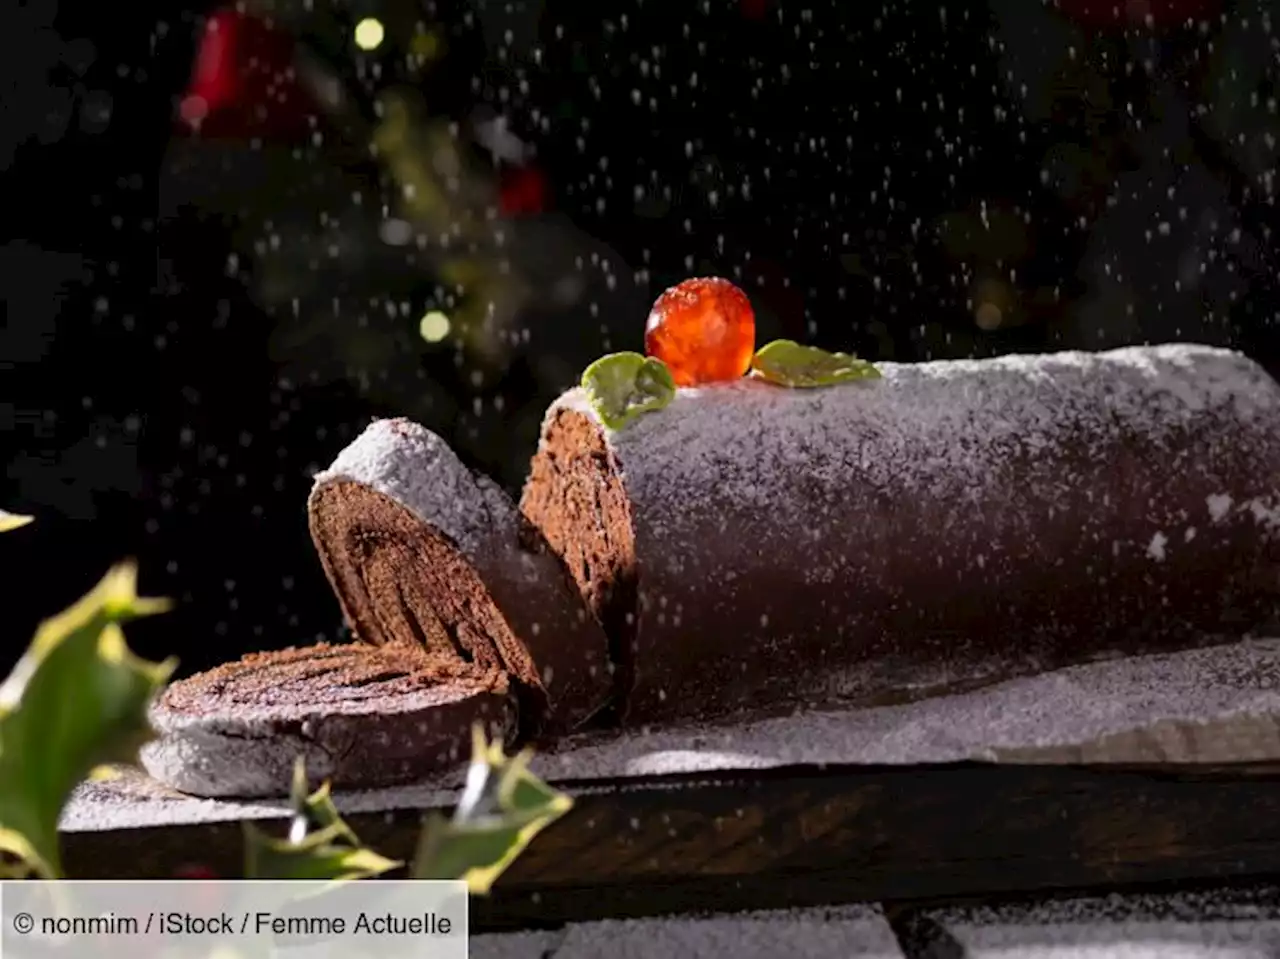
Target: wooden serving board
(1148, 769)
(772, 838)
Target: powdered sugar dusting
(1224, 924)
(848, 933)
(1038, 718)
(948, 422)
(537, 944)
(253, 765)
(131, 800)
(1264, 512)
(1155, 549)
(254, 754)
(416, 468)
(1219, 506)
(970, 483)
(1220, 704)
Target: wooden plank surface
(804, 836)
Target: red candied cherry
(704, 330)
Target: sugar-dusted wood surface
(1240, 922)
(1142, 770)
(1195, 922)
(786, 837)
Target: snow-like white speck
(1156, 548)
(1219, 506)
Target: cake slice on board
(460, 613)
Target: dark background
(198, 315)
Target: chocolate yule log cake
(948, 522)
(715, 531)
(749, 545)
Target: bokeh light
(370, 33)
(434, 326)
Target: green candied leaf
(76, 701)
(10, 521)
(320, 844)
(323, 854)
(503, 807)
(623, 386)
(788, 363)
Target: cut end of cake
(576, 498)
(421, 550)
(402, 582)
(359, 717)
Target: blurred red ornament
(1121, 14)
(243, 83)
(753, 9)
(522, 191)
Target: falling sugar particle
(1156, 548)
(1219, 505)
(1263, 514)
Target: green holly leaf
(623, 386)
(313, 811)
(322, 854)
(10, 521)
(789, 363)
(320, 844)
(76, 702)
(503, 807)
